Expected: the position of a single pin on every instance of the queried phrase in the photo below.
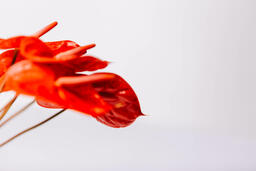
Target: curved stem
(6, 108)
(2, 82)
(30, 128)
(16, 114)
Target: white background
(191, 63)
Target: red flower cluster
(49, 72)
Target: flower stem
(2, 82)
(16, 114)
(6, 108)
(30, 128)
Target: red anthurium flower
(105, 96)
(115, 91)
(37, 51)
(31, 47)
(9, 57)
(29, 78)
(51, 73)
(48, 71)
(14, 43)
(120, 95)
(51, 52)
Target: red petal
(26, 77)
(13, 42)
(37, 51)
(6, 59)
(83, 98)
(113, 90)
(125, 104)
(87, 63)
(34, 49)
(61, 46)
(48, 104)
(38, 80)
(29, 78)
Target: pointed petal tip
(142, 114)
(108, 62)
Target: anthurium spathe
(114, 90)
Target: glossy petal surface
(124, 102)
(13, 42)
(61, 46)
